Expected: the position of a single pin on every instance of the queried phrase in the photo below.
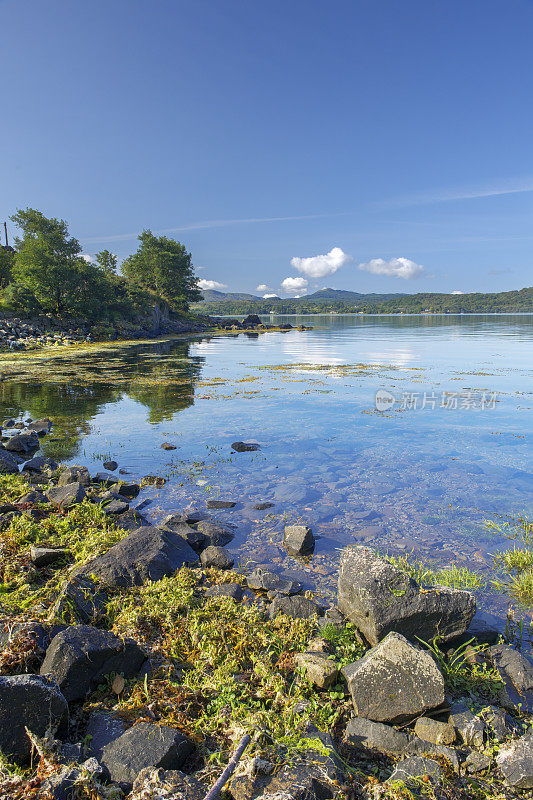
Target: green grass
(461, 676)
(455, 577)
(516, 563)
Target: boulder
(142, 746)
(379, 598)
(40, 464)
(516, 763)
(321, 670)
(516, 671)
(361, 732)
(44, 556)
(30, 701)
(8, 465)
(67, 495)
(67, 784)
(131, 520)
(432, 730)
(265, 581)
(147, 554)
(297, 606)
(394, 682)
(75, 474)
(103, 727)
(129, 489)
(214, 533)
(471, 729)
(216, 557)
(23, 443)
(80, 656)
(110, 465)
(298, 540)
(116, 506)
(175, 524)
(233, 590)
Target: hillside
(339, 301)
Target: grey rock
(476, 762)
(214, 533)
(41, 426)
(416, 768)
(8, 465)
(221, 504)
(379, 598)
(110, 465)
(131, 520)
(498, 722)
(67, 495)
(23, 442)
(263, 506)
(116, 506)
(321, 670)
(298, 540)
(194, 538)
(432, 730)
(66, 784)
(516, 671)
(39, 464)
(103, 727)
(394, 682)
(516, 763)
(296, 606)
(142, 746)
(75, 474)
(233, 590)
(265, 581)
(470, 728)
(361, 732)
(34, 497)
(80, 656)
(44, 556)
(147, 554)
(129, 489)
(216, 557)
(28, 701)
(245, 447)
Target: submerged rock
(261, 580)
(394, 682)
(245, 447)
(379, 598)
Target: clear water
(419, 478)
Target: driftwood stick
(230, 769)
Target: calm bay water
(421, 477)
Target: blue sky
(392, 135)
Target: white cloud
(292, 285)
(266, 296)
(457, 291)
(262, 288)
(318, 266)
(205, 284)
(89, 259)
(395, 268)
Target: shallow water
(420, 477)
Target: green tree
(164, 266)
(106, 261)
(7, 260)
(47, 259)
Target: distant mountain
(212, 296)
(348, 297)
(340, 295)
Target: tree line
(46, 273)
(520, 300)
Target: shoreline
(227, 651)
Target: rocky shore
(134, 656)
(18, 334)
